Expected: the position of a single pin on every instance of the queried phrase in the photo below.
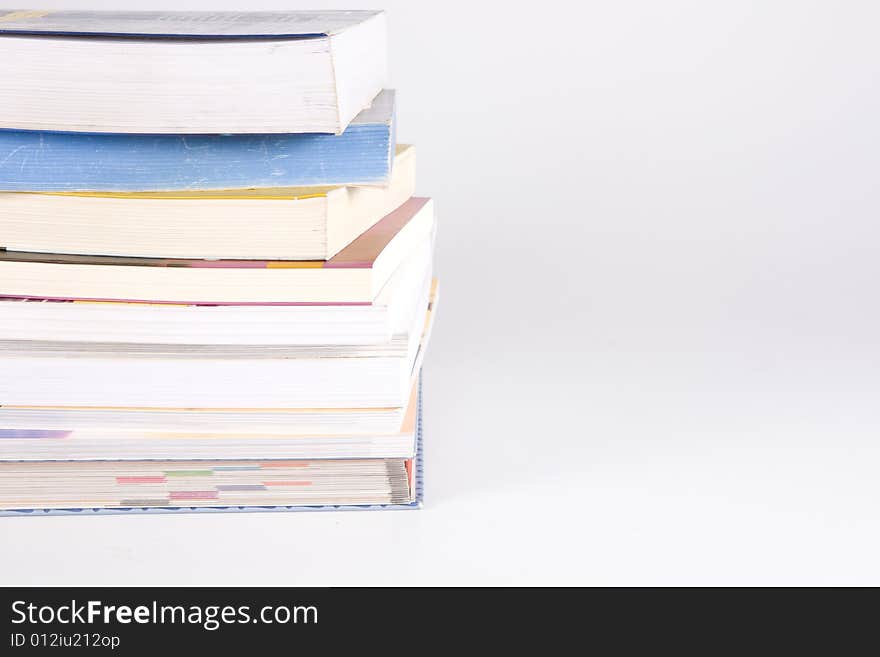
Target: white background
(657, 356)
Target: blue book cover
(36, 161)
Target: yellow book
(282, 223)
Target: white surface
(659, 325)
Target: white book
(189, 72)
(37, 373)
(299, 421)
(356, 274)
(391, 313)
(158, 486)
(114, 443)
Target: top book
(189, 72)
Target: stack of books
(215, 280)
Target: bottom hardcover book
(100, 487)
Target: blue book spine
(33, 161)
(58, 162)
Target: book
(299, 421)
(354, 275)
(92, 488)
(116, 444)
(189, 72)
(37, 373)
(70, 162)
(390, 313)
(107, 484)
(274, 223)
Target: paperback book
(205, 72)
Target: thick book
(189, 72)
(75, 162)
(275, 223)
(264, 485)
(299, 421)
(108, 484)
(77, 374)
(356, 274)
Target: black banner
(147, 620)
(291, 620)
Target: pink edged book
(355, 275)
